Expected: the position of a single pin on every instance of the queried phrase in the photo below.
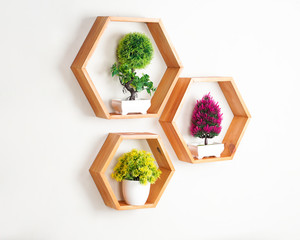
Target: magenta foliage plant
(206, 118)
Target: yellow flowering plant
(137, 166)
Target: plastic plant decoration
(206, 119)
(137, 166)
(135, 51)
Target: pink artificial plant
(206, 119)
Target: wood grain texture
(90, 43)
(164, 90)
(175, 100)
(134, 19)
(164, 44)
(234, 133)
(177, 142)
(125, 206)
(165, 86)
(91, 93)
(105, 156)
(234, 99)
(132, 116)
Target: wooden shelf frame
(234, 133)
(106, 155)
(165, 86)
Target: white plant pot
(210, 150)
(135, 193)
(130, 106)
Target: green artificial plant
(135, 51)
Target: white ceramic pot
(131, 106)
(135, 193)
(210, 150)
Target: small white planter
(130, 106)
(135, 193)
(210, 150)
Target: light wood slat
(234, 134)
(134, 19)
(132, 116)
(125, 206)
(106, 153)
(164, 90)
(89, 46)
(106, 192)
(234, 99)
(159, 186)
(164, 44)
(175, 100)
(211, 79)
(91, 93)
(211, 159)
(177, 142)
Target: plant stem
(205, 141)
(133, 93)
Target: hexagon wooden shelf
(165, 86)
(234, 133)
(106, 155)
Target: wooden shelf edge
(125, 206)
(132, 116)
(211, 79)
(136, 135)
(134, 19)
(211, 159)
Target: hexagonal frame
(106, 155)
(234, 133)
(165, 86)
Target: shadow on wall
(80, 101)
(86, 181)
(73, 47)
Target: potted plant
(136, 170)
(206, 124)
(135, 51)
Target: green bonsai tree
(137, 166)
(135, 51)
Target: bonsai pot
(135, 193)
(131, 106)
(210, 150)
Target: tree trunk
(205, 141)
(133, 93)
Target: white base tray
(210, 150)
(130, 106)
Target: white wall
(50, 136)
